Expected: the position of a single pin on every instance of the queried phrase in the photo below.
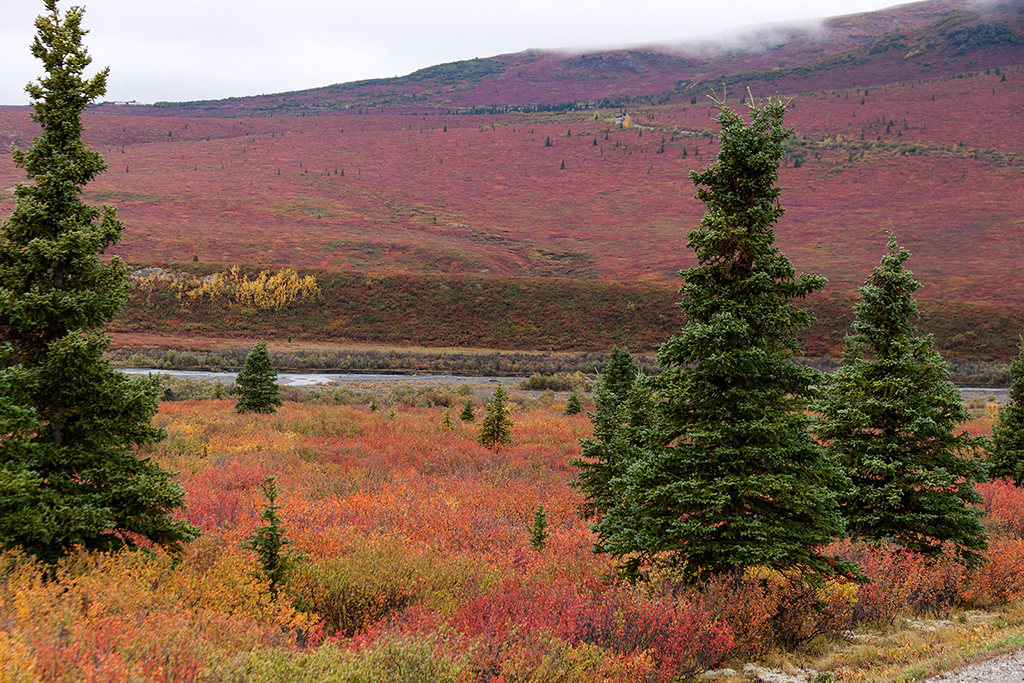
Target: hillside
(922, 40)
(923, 138)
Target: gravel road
(1006, 669)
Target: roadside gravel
(1006, 669)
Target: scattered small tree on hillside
(892, 419)
(496, 427)
(725, 474)
(1006, 458)
(467, 414)
(69, 473)
(256, 384)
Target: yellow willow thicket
(266, 291)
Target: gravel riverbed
(1005, 669)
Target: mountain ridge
(906, 42)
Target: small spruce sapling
(269, 540)
(467, 414)
(496, 427)
(573, 405)
(256, 384)
(538, 529)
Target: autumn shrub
(374, 582)
(141, 617)
(748, 606)
(1004, 508)
(1001, 579)
(546, 658)
(395, 658)
(560, 381)
(901, 581)
(807, 611)
(678, 638)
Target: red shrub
(1004, 506)
(899, 580)
(1001, 578)
(681, 639)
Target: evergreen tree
(618, 417)
(269, 540)
(496, 427)
(539, 534)
(69, 473)
(256, 384)
(725, 474)
(1007, 451)
(573, 405)
(892, 419)
(467, 414)
(619, 374)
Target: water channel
(308, 379)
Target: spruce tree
(1006, 458)
(618, 418)
(496, 427)
(538, 529)
(891, 418)
(467, 414)
(573, 405)
(69, 472)
(256, 384)
(269, 540)
(725, 474)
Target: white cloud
(202, 49)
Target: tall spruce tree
(727, 475)
(1006, 458)
(68, 469)
(892, 418)
(256, 384)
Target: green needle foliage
(725, 474)
(467, 414)
(256, 384)
(618, 418)
(892, 419)
(539, 534)
(69, 474)
(496, 427)
(573, 405)
(269, 540)
(1007, 452)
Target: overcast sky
(176, 50)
